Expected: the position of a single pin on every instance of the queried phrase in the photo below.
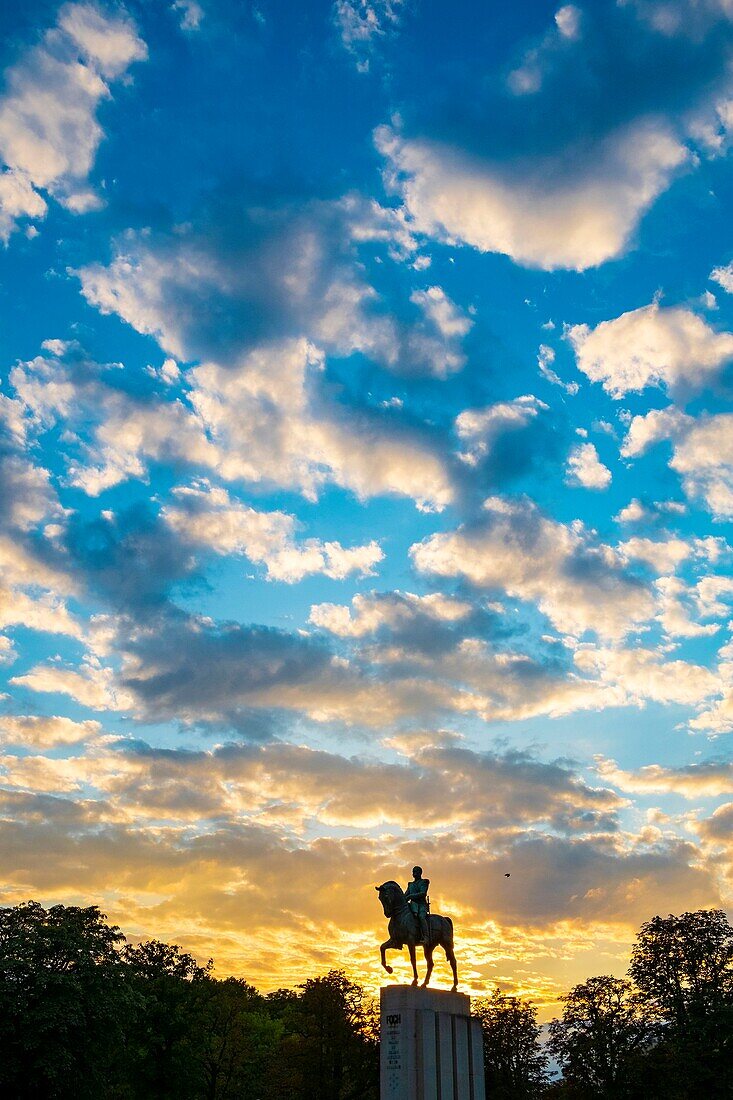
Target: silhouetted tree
(162, 1033)
(683, 966)
(597, 1041)
(514, 1061)
(331, 1040)
(63, 1004)
(237, 1041)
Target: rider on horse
(417, 898)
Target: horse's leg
(382, 950)
(429, 961)
(414, 963)
(450, 956)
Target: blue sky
(366, 472)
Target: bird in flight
(508, 874)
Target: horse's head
(389, 893)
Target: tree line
(84, 1014)
(665, 1033)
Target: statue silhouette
(404, 928)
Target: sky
(366, 474)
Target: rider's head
(417, 872)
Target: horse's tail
(450, 926)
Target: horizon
(366, 472)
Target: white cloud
(651, 346)
(536, 213)
(568, 20)
(260, 420)
(207, 515)
(708, 780)
(28, 495)
(724, 277)
(49, 133)
(545, 359)
(43, 613)
(40, 732)
(663, 555)
(295, 269)
(369, 613)
(677, 605)
(90, 684)
(451, 323)
(361, 22)
(702, 452)
(585, 468)
(636, 512)
(191, 14)
(578, 582)
(644, 674)
(480, 429)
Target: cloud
(545, 359)
(644, 674)
(193, 670)
(263, 420)
(585, 468)
(665, 555)
(45, 613)
(702, 452)
(205, 515)
(536, 213)
(49, 134)
(191, 14)
(89, 684)
(370, 613)
(361, 23)
(578, 582)
(270, 430)
(40, 732)
(485, 432)
(651, 346)
(295, 785)
(723, 276)
(708, 780)
(243, 276)
(544, 162)
(637, 511)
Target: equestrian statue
(412, 923)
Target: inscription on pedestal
(393, 1053)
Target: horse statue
(403, 929)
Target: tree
(514, 1062)
(331, 1040)
(683, 966)
(163, 1034)
(63, 1002)
(238, 1041)
(597, 1041)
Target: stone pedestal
(431, 1048)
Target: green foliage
(83, 1014)
(514, 1061)
(667, 1037)
(603, 1029)
(63, 1003)
(683, 967)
